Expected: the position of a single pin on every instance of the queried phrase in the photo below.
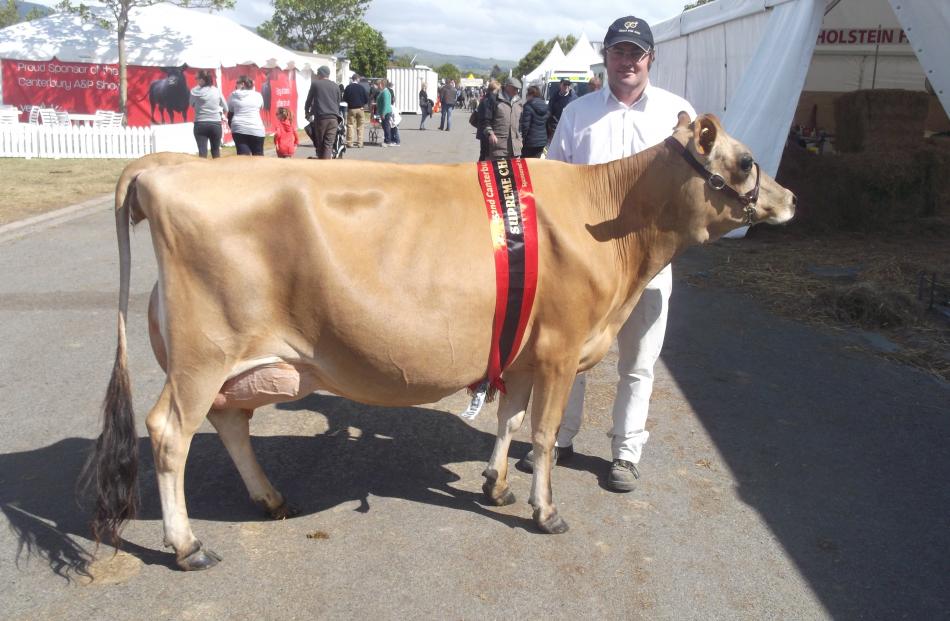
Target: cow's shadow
(367, 451)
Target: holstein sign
(862, 36)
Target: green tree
(539, 51)
(315, 25)
(366, 49)
(693, 5)
(448, 71)
(497, 73)
(403, 60)
(10, 14)
(119, 21)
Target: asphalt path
(790, 472)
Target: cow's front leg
(171, 426)
(511, 410)
(552, 386)
(233, 427)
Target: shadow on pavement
(845, 456)
(400, 453)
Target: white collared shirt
(598, 128)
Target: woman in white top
(245, 118)
(209, 107)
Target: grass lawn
(32, 187)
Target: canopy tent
(55, 56)
(749, 60)
(554, 60)
(581, 56)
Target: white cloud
(503, 29)
(485, 28)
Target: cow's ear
(705, 131)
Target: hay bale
(868, 305)
(880, 120)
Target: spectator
(559, 100)
(285, 134)
(627, 117)
(483, 114)
(504, 129)
(447, 98)
(247, 128)
(384, 108)
(594, 85)
(210, 109)
(534, 120)
(425, 105)
(323, 112)
(356, 99)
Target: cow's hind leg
(552, 387)
(511, 410)
(233, 426)
(172, 423)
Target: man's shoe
(623, 476)
(561, 453)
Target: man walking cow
(629, 116)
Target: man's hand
(492, 138)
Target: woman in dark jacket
(533, 124)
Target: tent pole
(877, 48)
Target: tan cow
(278, 278)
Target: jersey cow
(347, 277)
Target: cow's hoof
(283, 512)
(554, 525)
(504, 499)
(199, 559)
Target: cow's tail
(112, 469)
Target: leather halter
(716, 182)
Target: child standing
(285, 135)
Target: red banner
(278, 88)
(156, 95)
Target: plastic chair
(48, 116)
(34, 115)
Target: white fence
(65, 141)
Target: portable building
(407, 82)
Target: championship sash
(509, 201)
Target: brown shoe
(561, 453)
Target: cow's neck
(639, 214)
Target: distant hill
(22, 8)
(465, 63)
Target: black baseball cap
(629, 29)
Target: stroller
(339, 144)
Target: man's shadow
(366, 451)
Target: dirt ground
(878, 282)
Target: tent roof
(161, 35)
(554, 60)
(581, 56)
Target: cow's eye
(746, 163)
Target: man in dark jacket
(559, 100)
(534, 118)
(323, 112)
(448, 95)
(356, 99)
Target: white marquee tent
(581, 56)
(554, 60)
(749, 60)
(160, 35)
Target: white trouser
(639, 343)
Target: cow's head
(726, 181)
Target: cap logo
(631, 25)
